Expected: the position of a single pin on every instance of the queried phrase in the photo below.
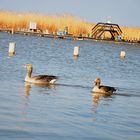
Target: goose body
(39, 79)
(101, 88)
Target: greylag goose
(39, 79)
(102, 89)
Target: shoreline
(20, 22)
(70, 37)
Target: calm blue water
(69, 110)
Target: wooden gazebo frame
(99, 29)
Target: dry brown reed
(9, 20)
(131, 33)
(53, 23)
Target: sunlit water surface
(69, 110)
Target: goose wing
(107, 88)
(45, 78)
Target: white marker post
(122, 54)
(76, 50)
(12, 46)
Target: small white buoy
(122, 54)
(76, 50)
(12, 46)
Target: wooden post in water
(12, 46)
(12, 31)
(122, 54)
(76, 51)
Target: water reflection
(97, 96)
(122, 57)
(28, 86)
(75, 57)
(11, 54)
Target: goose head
(97, 81)
(29, 69)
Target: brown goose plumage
(101, 88)
(39, 79)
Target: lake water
(69, 110)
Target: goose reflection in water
(28, 86)
(97, 96)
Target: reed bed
(131, 33)
(53, 23)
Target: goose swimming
(39, 79)
(102, 89)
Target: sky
(122, 12)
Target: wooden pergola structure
(100, 28)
